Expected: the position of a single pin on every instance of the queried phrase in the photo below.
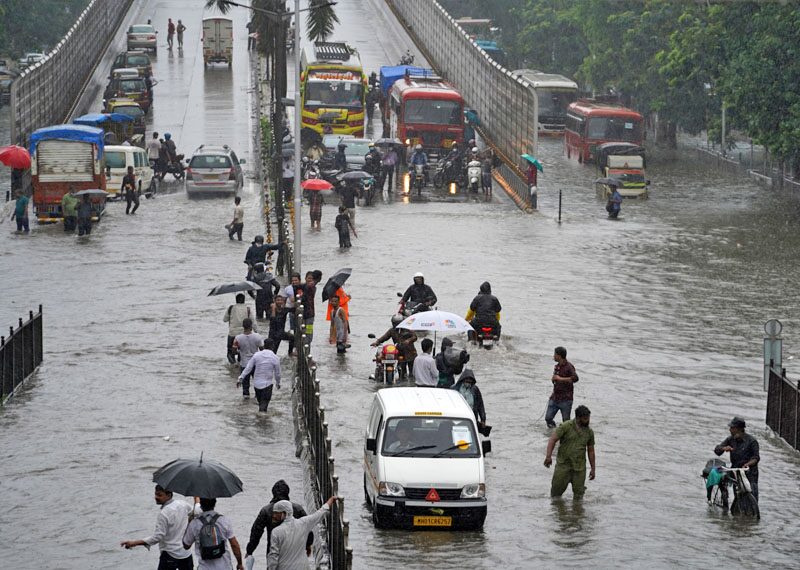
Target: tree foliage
(681, 59)
(321, 20)
(35, 25)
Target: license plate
(433, 521)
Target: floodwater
(661, 312)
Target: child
(344, 225)
(339, 325)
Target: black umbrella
(234, 288)
(92, 192)
(610, 182)
(198, 478)
(388, 142)
(335, 281)
(356, 175)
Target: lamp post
(298, 114)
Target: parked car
(134, 88)
(136, 59)
(29, 59)
(142, 36)
(118, 159)
(214, 170)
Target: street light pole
(298, 117)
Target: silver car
(214, 170)
(142, 36)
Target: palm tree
(321, 20)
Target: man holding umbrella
(170, 526)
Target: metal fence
(783, 407)
(20, 353)
(324, 478)
(45, 93)
(506, 105)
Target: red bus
(424, 109)
(591, 123)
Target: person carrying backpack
(208, 533)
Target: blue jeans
(552, 407)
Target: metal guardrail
(20, 354)
(44, 94)
(507, 105)
(783, 407)
(324, 478)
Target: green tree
(27, 25)
(320, 21)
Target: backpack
(212, 545)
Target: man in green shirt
(69, 209)
(576, 442)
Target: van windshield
(425, 436)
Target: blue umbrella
(534, 161)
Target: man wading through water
(576, 441)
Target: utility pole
(724, 146)
(298, 119)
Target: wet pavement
(661, 312)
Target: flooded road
(661, 313)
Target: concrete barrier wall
(45, 93)
(506, 105)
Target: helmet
(167, 136)
(305, 159)
(475, 149)
(454, 145)
(397, 319)
(259, 239)
(418, 147)
(419, 274)
(371, 145)
(471, 142)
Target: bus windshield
(334, 94)
(554, 102)
(433, 111)
(614, 129)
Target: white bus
(555, 93)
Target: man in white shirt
(170, 527)
(235, 316)
(425, 373)
(237, 225)
(247, 344)
(287, 550)
(266, 369)
(153, 148)
(224, 533)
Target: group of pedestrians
(173, 30)
(181, 525)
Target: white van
(118, 159)
(217, 40)
(423, 461)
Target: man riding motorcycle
(419, 292)
(484, 311)
(171, 149)
(418, 157)
(404, 340)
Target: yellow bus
(333, 89)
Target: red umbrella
(15, 157)
(316, 184)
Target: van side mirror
(372, 445)
(242, 161)
(486, 446)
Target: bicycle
(719, 478)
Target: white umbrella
(439, 321)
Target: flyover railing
(506, 105)
(783, 407)
(324, 478)
(20, 353)
(45, 93)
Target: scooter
(367, 191)
(487, 336)
(310, 169)
(474, 175)
(417, 178)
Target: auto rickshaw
(117, 127)
(624, 162)
(129, 107)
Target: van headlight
(391, 489)
(473, 491)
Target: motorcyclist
(418, 157)
(456, 159)
(340, 159)
(484, 311)
(374, 82)
(171, 149)
(373, 163)
(404, 340)
(419, 292)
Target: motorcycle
(487, 336)
(474, 175)
(416, 178)
(372, 100)
(407, 58)
(174, 167)
(387, 360)
(447, 174)
(411, 307)
(367, 191)
(310, 169)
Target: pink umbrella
(15, 157)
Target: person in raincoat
(288, 548)
(257, 253)
(85, 216)
(484, 310)
(472, 394)
(69, 208)
(266, 519)
(449, 362)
